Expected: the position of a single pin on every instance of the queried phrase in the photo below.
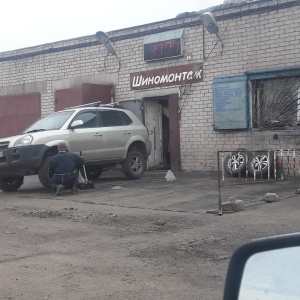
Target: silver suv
(106, 136)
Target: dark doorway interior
(165, 135)
(161, 119)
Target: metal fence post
(219, 182)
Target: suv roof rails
(113, 104)
(95, 104)
(92, 104)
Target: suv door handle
(98, 134)
(127, 132)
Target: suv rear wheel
(11, 184)
(93, 172)
(134, 165)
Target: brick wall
(260, 40)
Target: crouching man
(64, 169)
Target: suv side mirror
(76, 123)
(266, 268)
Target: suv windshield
(51, 122)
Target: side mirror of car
(265, 269)
(76, 123)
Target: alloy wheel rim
(260, 162)
(136, 164)
(235, 161)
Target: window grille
(275, 102)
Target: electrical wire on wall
(105, 58)
(103, 38)
(187, 85)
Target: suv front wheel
(11, 184)
(134, 165)
(43, 172)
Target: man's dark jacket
(65, 163)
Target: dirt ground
(147, 239)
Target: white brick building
(223, 110)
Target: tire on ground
(235, 163)
(259, 162)
(43, 172)
(93, 172)
(134, 165)
(11, 184)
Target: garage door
(84, 94)
(17, 112)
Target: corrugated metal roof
(223, 6)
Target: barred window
(275, 102)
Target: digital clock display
(163, 49)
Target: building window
(275, 102)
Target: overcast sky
(26, 23)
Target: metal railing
(260, 166)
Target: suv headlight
(23, 141)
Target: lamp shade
(210, 23)
(102, 37)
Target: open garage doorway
(161, 120)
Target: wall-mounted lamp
(103, 38)
(210, 23)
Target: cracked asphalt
(145, 239)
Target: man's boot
(74, 188)
(59, 189)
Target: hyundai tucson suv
(106, 135)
